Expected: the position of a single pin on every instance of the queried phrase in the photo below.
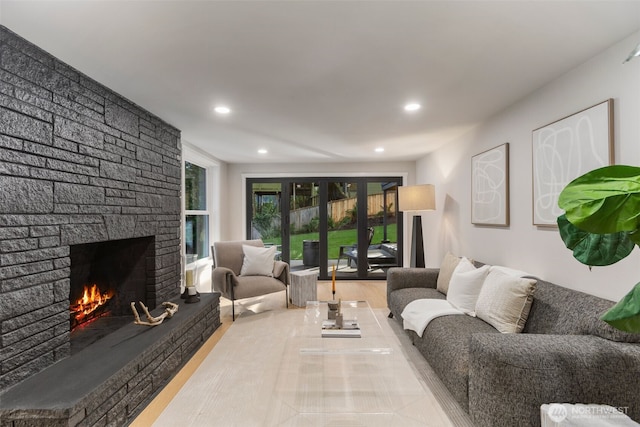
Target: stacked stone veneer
(78, 164)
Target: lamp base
(417, 243)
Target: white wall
(537, 250)
(235, 226)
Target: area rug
(234, 381)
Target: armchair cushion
(253, 286)
(257, 261)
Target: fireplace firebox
(105, 278)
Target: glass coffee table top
(346, 381)
(371, 338)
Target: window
(196, 224)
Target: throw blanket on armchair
(418, 313)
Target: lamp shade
(417, 198)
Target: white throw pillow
(465, 285)
(257, 261)
(504, 301)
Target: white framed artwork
(490, 187)
(564, 150)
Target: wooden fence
(339, 209)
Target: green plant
(389, 212)
(312, 226)
(265, 220)
(600, 225)
(352, 215)
(331, 223)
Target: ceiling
(322, 81)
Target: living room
(589, 70)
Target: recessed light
(222, 109)
(413, 106)
(379, 150)
(262, 151)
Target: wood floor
(374, 291)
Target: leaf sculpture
(594, 249)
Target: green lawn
(336, 239)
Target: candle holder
(191, 294)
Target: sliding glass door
(304, 224)
(322, 223)
(342, 230)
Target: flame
(90, 301)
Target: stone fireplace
(86, 176)
(79, 165)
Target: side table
(304, 287)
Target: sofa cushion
(465, 285)
(399, 298)
(445, 345)
(257, 261)
(511, 375)
(559, 310)
(449, 264)
(505, 300)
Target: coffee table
(275, 369)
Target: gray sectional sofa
(565, 354)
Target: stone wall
(78, 164)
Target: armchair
(226, 279)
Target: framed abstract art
(490, 187)
(564, 150)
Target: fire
(90, 301)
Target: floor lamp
(417, 198)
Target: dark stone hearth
(78, 164)
(111, 381)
